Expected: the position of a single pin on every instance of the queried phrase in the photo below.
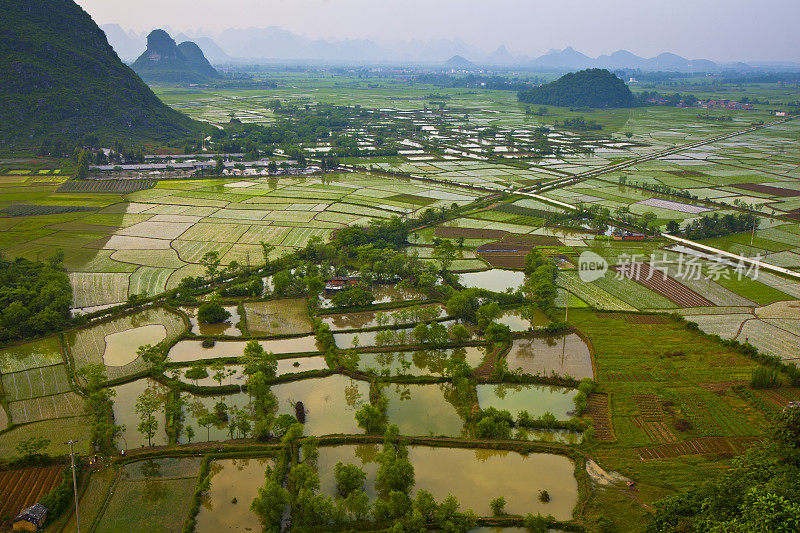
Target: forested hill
(167, 62)
(59, 77)
(587, 88)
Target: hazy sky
(722, 30)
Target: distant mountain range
(275, 44)
(164, 61)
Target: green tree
(270, 504)
(212, 312)
(349, 478)
(196, 373)
(498, 506)
(32, 447)
(146, 406)
(211, 262)
(445, 253)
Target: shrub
(208, 343)
(535, 523)
(212, 313)
(765, 378)
(498, 506)
(544, 496)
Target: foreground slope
(59, 76)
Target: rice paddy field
(669, 409)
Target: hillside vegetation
(587, 88)
(60, 78)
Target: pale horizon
(716, 30)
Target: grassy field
(162, 503)
(657, 376)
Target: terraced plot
(88, 345)
(35, 382)
(63, 405)
(20, 357)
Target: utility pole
(75, 486)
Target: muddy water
(418, 362)
(423, 410)
(196, 406)
(564, 355)
(330, 402)
(385, 294)
(330, 405)
(232, 478)
(369, 319)
(285, 366)
(496, 279)
(393, 293)
(474, 477)
(191, 350)
(402, 336)
(362, 455)
(514, 320)
(125, 414)
(536, 399)
(121, 347)
(224, 328)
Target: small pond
(232, 479)
(224, 328)
(371, 319)
(121, 347)
(234, 373)
(418, 362)
(423, 410)
(192, 350)
(514, 320)
(125, 414)
(536, 399)
(386, 337)
(474, 477)
(495, 279)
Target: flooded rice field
(191, 350)
(125, 414)
(565, 355)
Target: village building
(30, 519)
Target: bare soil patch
(768, 189)
(600, 413)
(711, 446)
(666, 286)
(448, 232)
